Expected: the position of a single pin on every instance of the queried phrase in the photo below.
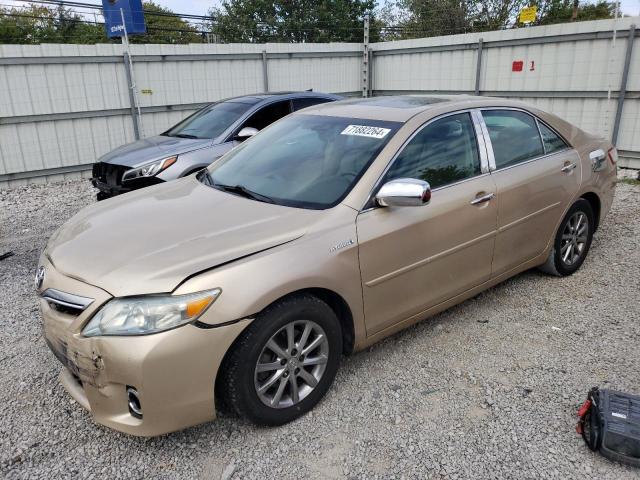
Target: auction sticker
(365, 131)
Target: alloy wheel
(291, 364)
(574, 238)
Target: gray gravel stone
(448, 398)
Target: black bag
(609, 421)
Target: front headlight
(149, 313)
(150, 169)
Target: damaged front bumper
(108, 178)
(173, 372)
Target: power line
(66, 3)
(101, 24)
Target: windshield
(306, 161)
(210, 121)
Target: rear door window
(514, 136)
(268, 114)
(300, 103)
(552, 141)
(443, 152)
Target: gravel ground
(449, 398)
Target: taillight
(613, 155)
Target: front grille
(109, 173)
(66, 302)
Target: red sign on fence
(517, 66)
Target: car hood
(152, 148)
(149, 241)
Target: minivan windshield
(209, 122)
(305, 161)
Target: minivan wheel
(284, 362)
(572, 241)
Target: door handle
(482, 199)
(568, 168)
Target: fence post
(478, 66)
(370, 74)
(365, 58)
(265, 71)
(623, 84)
(132, 99)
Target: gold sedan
(326, 232)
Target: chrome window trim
(65, 299)
(476, 117)
(487, 140)
(541, 157)
(544, 148)
(492, 161)
(553, 130)
(377, 184)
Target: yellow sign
(528, 15)
(146, 91)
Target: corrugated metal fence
(62, 106)
(578, 71)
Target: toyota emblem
(39, 280)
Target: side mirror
(246, 132)
(404, 192)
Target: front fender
(252, 283)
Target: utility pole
(574, 13)
(365, 58)
(133, 93)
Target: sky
(201, 7)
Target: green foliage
(165, 29)
(41, 24)
(38, 24)
(630, 181)
(291, 20)
(299, 20)
(560, 11)
(425, 18)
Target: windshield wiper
(244, 192)
(184, 135)
(205, 177)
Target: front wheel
(572, 241)
(284, 362)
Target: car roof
(259, 97)
(404, 107)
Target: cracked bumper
(174, 372)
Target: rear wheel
(284, 362)
(572, 241)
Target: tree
(426, 18)
(41, 24)
(38, 24)
(423, 18)
(561, 11)
(164, 27)
(291, 20)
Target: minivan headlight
(148, 314)
(150, 169)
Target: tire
(568, 254)
(240, 381)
